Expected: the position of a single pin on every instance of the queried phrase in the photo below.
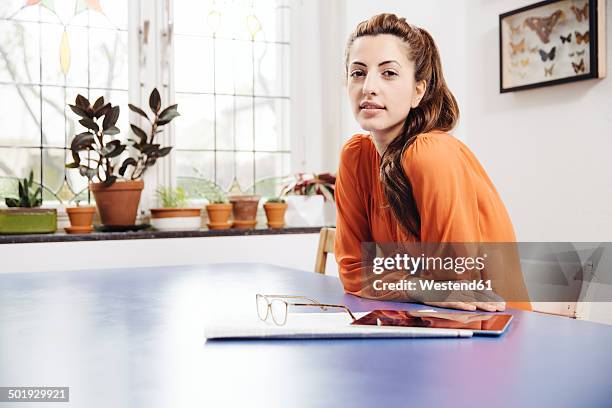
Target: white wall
(547, 150)
(290, 250)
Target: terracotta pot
(245, 210)
(81, 216)
(218, 216)
(176, 219)
(275, 212)
(118, 204)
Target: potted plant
(96, 153)
(306, 197)
(23, 215)
(175, 215)
(81, 218)
(275, 209)
(218, 209)
(244, 210)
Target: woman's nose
(370, 85)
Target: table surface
(134, 338)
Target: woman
(407, 180)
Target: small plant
(172, 198)
(97, 145)
(279, 199)
(28, 196)
(311, 184)
(149, 151)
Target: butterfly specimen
(543, 26)
(576, 53)
(582, 38)
(518, 47)
(533, 50)
(567, 38)
(549, 71)
(515, 30)
(578, 67)
(581, 13)
(519, 74)
(525, 62)
(548, 55)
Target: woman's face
(381, 84)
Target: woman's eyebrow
(381, 64)
(389, 62)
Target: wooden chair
(326, 246)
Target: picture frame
(552, 42)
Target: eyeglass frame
(315, 303)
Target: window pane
(108, 53)
(193, 70)
(226, 122)
(53, 169)
(17, 162)
(271, 124)
(225, 169)
(244, 168)
(53, 111)
(272, 67)
(195, 129)
(20, 120)
(20, 43)
(195, 164)
(271, 165)
(244, 123)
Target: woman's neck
(383, 138)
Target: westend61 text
(428, 285)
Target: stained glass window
(50, 51)
(231, 81)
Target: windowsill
(150, 234)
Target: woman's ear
(419, 92)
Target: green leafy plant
(172, 198)
(95, 151)
(275, 200)
(149, 151)
(29, 197)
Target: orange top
(457, 201)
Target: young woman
(408, 180)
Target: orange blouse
(457, 202)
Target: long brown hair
(437, 110)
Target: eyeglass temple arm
(323, 305)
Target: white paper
(317, 325)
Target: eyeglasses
(275, 306)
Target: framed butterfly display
(552, 42)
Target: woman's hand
(471, 306)
(470, 300)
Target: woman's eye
(356, 74)
(389, 73)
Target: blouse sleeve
(352, 226)
(444, 191)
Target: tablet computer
(484, 324)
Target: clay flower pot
(81, 216)
(275, 212)
(176, 219)
(81, 219)
(245, 210)
(118, 204)
(218, 216)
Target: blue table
(134, 338)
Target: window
(50, 51)
(231, 82)
(230, 61)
